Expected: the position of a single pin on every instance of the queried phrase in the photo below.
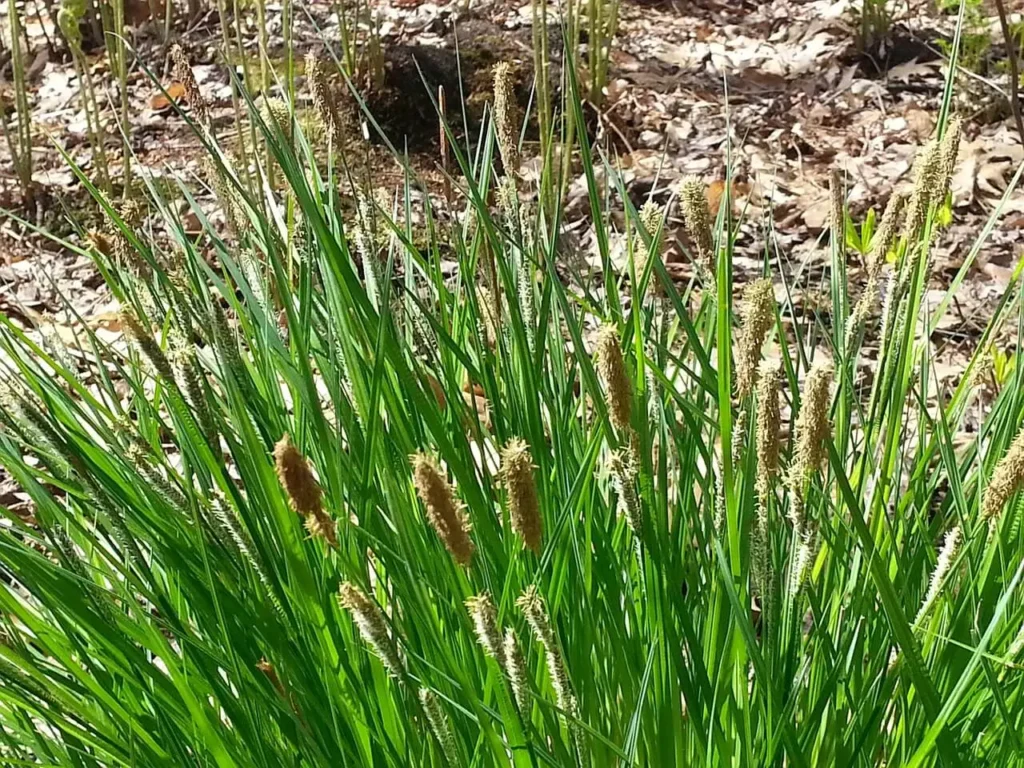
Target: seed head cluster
(323, 98)
(885, 236)
(485, 624)
(295, 475)
(766, 428)
(758, 316)
(147, 345)
(650, 216)
(881, 243)
(624, 478)
(618, 392)
(439, 725)
(276, 112)
(182, 72)
(372, 627)
(943, 564)
(812, 428)
(515, 667)
(304, 492)
(837, 218)
(523, 506)
(532, 605)
(443, 511)
(927, 177)
(698, 223)
(1007, 479)
(949, 150)
(505, 117)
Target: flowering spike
(611, 366)
(443, 512)
(523, 506)
(296, 477)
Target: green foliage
(166, 605)
(874, 25)
(975, 38)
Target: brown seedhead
(523, 506)
(295, 475)
(182, 72)
(443, 511)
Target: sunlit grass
(334, 505)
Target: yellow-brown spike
(523, 505)
(297, 478)
(443, 511)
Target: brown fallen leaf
(109, 321)
(162, 100)
(716, 190)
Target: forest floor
(780, 87)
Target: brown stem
(1011, 55)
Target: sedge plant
(504, 514)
